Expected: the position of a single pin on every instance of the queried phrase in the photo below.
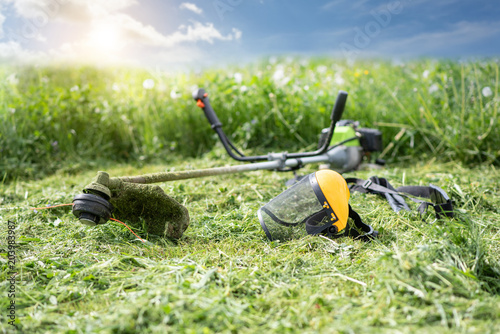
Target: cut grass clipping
(224, 276)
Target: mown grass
(223, 276)
(54, 117)
(58, 126)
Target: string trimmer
(145, 205)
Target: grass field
(60, 117)
(224, 276)
(60, 126)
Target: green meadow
(53, 118)
(60, 125)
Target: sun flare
(105, 39)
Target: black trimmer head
(91, 209)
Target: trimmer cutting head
(144, 206)
(91, 209)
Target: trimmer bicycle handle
(202, 101)
(338, 108)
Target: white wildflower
(426, 73)
(487, 91)
(243, 89)
(238, 78)
(13, 79)
(57, 222)
(339, 80)
(322, 69)
(115, 87)
(75, 88)
(279, 74)
(434, 88)
(174, 94)
(148, 84)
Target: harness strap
(441, 202)
(351, 230)
(369, 234)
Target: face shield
(317, 204)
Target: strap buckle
(367, 184)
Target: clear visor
(294, 213)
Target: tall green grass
(54, 117)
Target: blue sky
(169, 33)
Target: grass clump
(147, 206)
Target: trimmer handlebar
(338, 108)
(202, 101)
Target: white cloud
(192, 7)
(68, 10)
(130, 31)
(237, 33)
(109, 43)
(103, 15)
(199, 32)
(14, 52)
(100, 32)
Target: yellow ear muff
(336, 192)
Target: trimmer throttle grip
(339, 106)
(202, 101)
